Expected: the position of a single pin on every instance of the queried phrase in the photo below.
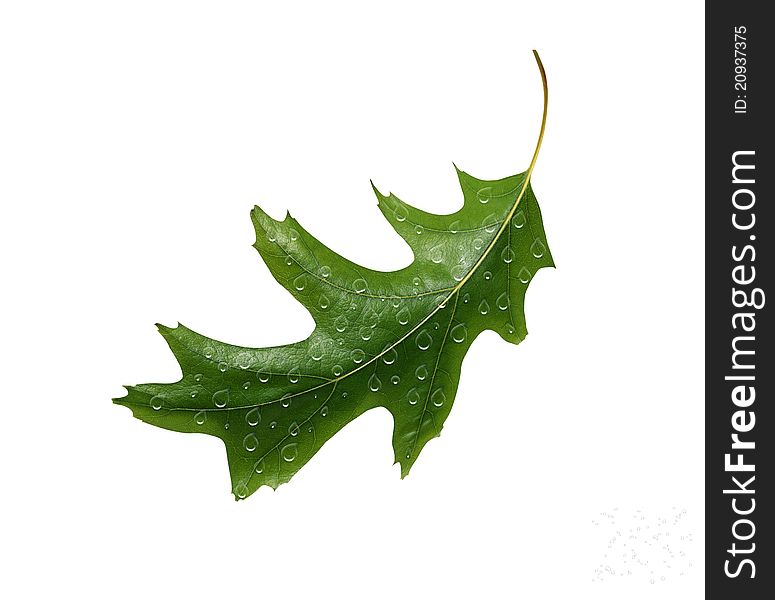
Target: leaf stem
(543, 117)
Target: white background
(134, 139)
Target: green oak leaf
(390, 339)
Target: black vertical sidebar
(739, 299)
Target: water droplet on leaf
(424, 340)
(438, 397)
(458, 272)
(221, 398)
(359, 285)
(413, 396)
(250, 443)
(484, 195)
(390, 356)
(490, 223)
(316, 350)
(244, 360)
(241, 491)
(289, 452)
(253, 417)
(503, 301)
(459, 333)
(341, 323)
